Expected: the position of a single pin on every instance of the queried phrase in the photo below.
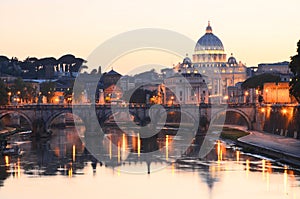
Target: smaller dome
(187, 60)
(232, 61)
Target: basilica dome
(209, 41)
(209, 49)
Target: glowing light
(219, 151)
(247, 167)
(139, 145)
(70, 173)
(123, 142)
(212, 170)
(18, 169)
(226, 97)
(118, 172)
(119, 153)
(167, 147)
(74, 153)
(173, 168)
(110, 149)
(6, 161)
(124, 147)
(263, 110)
(284, 111)
(237, 156)
(263, 162)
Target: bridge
(41, 116)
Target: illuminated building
(186, 88)
(210, 59)
(277, 93)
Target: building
(186, 88)
(277, 93)
(110, 78)
(210, 59)
(279, 67)
(112, 94)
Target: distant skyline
(254, 31)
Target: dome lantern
(208, 28)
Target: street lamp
(9, 95)
(172, 99)
(19, 97)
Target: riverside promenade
(280, 148)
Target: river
(61, 167)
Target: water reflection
(65, 155)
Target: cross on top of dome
(208, 28)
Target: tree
(45, 67)
(3, 93)
(47, 89)
(259, 80)
(24, 90)
(295, 68)
(69, 63)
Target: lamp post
(8, 95)
(172, 99)
(19, 97)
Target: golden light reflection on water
(167, 147)
(70, 172)
(124, 147)
(123, 143)
(6, 160)
(119, 153)
(221, 150)
(247, 167)
(173, 168)
(18, 169)
(212, 170)
(237, 156)
(263, 169)
(110, 147)
(118, 171)
(74, 153)
(139, 145)
(272, 184)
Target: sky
(254, 31)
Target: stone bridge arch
(240, 112)
(194, 118)
(103, 116)
(3, 114)
(59, 113)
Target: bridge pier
(39, 128)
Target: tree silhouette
(47, 89)
(295, 68)
(24, 90)
(3, 93)
(70, 64)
